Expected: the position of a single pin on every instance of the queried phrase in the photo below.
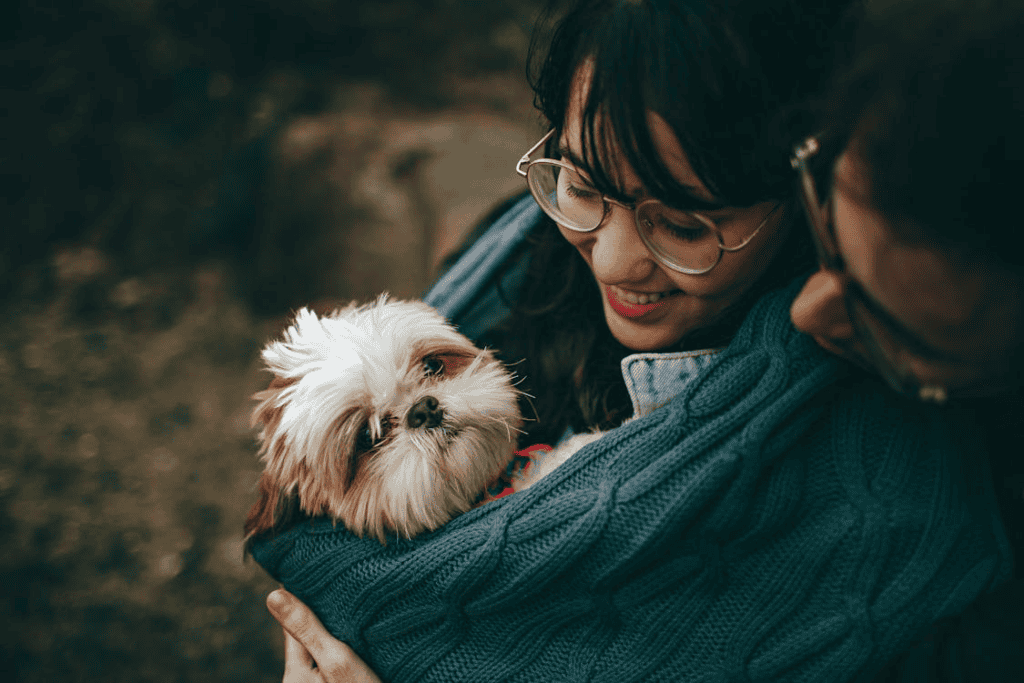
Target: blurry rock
(79, 264)
(88, 446)
(170, 565)
(367, 199)
(163, 460)
(128, 293)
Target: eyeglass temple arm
(526, 157)
(809, 193)
(751, 235)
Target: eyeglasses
(684, 241)
(886, 345)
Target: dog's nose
(426, 412)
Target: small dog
(384, 418)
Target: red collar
(517, 467)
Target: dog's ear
(268, 411)
(274, 511)
(263, 514)
(305, 341)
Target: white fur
(367, 363)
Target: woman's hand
(310, 652)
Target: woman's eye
(433, 366)
(686, 233)
(579, 193)
(575, 186)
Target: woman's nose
(618, 254)
(820, 308)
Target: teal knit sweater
(778, 520)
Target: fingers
(298, 663)
(298, 620)
(336, 662)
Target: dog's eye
(364, 440)
(433, 366)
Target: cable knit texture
(776, 521)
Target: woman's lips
(620, 301)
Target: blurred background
(176, 177)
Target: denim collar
(654, 378)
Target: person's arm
(311, 654)
(981, 645)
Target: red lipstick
(628, 309)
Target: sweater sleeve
(470, 293)
(980, 645)
(776, 521)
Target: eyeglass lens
(565, 196)
(675, 236)
(885, 352)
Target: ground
(182, 175)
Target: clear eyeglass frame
(869, 323)
(642, 212)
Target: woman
(725, 164)
(768, 515)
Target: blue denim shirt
(654, 378)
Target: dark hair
(930, 106)
(727, 76)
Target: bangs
(628, 82)
(644, 58)
(731, 92)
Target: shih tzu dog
(386, 419)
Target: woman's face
(962, 320)
(647, 305)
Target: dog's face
(382, 417)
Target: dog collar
(514, 471)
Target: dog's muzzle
(425, 413)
